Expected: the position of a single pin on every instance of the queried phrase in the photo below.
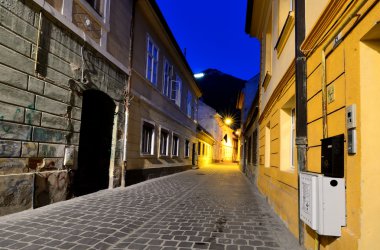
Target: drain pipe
(301, 103)
(127, 93)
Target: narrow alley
(214, 207)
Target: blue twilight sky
(212, 31)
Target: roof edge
(162, 19)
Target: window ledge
(285, 33)
(266, 80)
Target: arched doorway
(94, 143)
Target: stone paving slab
(211, 208)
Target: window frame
(176, 98)
(152, 75)
(175, 137)
(293, 138)
(254, 147)
(287, 136)
(152, 138)
(187, 148)
(267, 146)
(166, 83)
(162, 129)
(101, 6)
(249, 151)
(189, 104)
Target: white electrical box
(323, 203)
(308, 199)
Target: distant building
(220, 91)
(225, 146)
(163, 111)
(249, 134)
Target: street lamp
(228, 121)
(199, 75)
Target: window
(176, 90)
(151, 61)
(189, 102)
(199, 148)
(287, 136)
(147, 138)
(293, 137)
(187, 148)
(164, 142)
(267, 146)
(286, 19)
(267, 65)
(249, 155)
(168, 75)
(195, 114)
(175, 145)
(254, 147)
(284, 7)
(203, 149)
(97, 5)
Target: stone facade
(41, 103)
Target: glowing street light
(228, 121)
(199, 75)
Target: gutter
(301, 103)
(127, 93)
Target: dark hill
(220, 91)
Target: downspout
(301, 103)
(127, 93)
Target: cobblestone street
(211, 208)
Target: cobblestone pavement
(211, 208)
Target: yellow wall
(352, 69)
(278, 185)
(205, 153)
(275, 178)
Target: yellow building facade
(342, 50)
(342, 70)
(273, 24)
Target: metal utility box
(333, 156)
(323, 203)
(309, 199)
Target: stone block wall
(40, 110)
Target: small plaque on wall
(330, 93)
